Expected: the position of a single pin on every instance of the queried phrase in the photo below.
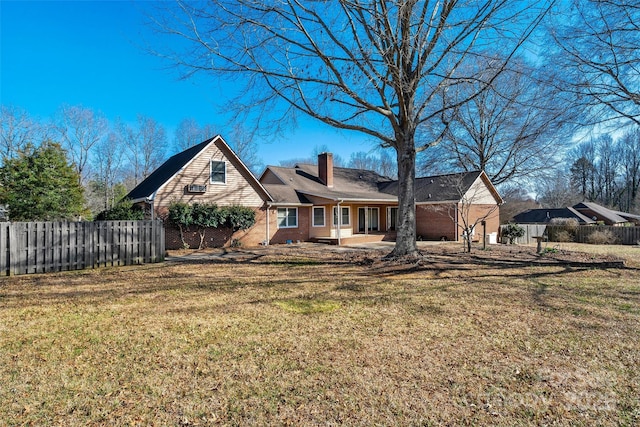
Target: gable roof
(296, 185)
(601, 213)
(147, 189)
(543, 216)
(447, 188)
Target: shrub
(512, 232)
(564, 229)
(569, 224)
(602, 237)
(124, 210)
(563, 236)
(239, 217)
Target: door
(368, 219)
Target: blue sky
(91, 53)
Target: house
(586, 213)
(605, 215)
(544, 216)
(342, 205)
(319, 203)
(209, 172)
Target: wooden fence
(622, 235)
(41, 247)
(530, 231)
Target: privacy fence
(41, 247)
(581, 234)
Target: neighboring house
(604, 215)
(586, 213)
(544, 216)
(209, 172)
(342, 205)
(314, 203)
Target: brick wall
(281, 235)
(218, 237)
(433, 222)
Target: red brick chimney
(325, 169)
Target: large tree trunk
(406, 237)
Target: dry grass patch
(267, 337)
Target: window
(345, 216)
(287, 217)
(318, 216)
(218, 172)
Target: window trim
(211, 181)
(313, 217)
(335, 216)
(286, 217)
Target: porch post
(339, 222)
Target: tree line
(107, 158)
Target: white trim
(339, 217)
(287, 217)
(313, 216)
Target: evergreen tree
(41, 185)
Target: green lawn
(271, 337)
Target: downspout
(455, 230)
(339, 223)
(267, 229)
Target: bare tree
(244, 145)
(380, 163)
(516, 200)
(80, 129)
(475, 205)
(189, 133)
(145, 146)
(513, 130)
(17, 129)
(556, 191)
(313, 158)
(372, 66)
(600, 54)
(107, 165)
(630, 158)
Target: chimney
(325, 169)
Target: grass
(270, 339)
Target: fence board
(41, 247)
(581, 234)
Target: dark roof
(439, 188)
(348, 184)
(167, 170)
(352, 185)
(543, 216)
(601, 213)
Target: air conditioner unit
(195, 188)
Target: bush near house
(511, 232)
(124, 210)
(208, 216)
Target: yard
(304, 335)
